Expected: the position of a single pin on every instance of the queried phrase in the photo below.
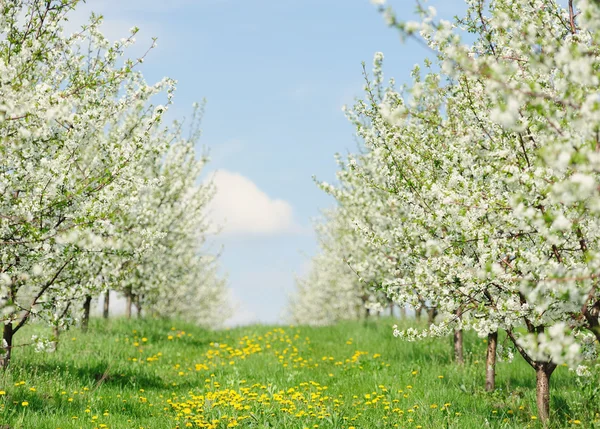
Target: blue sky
(275, 75)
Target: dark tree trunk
(364, 298)
(87, 304)
(138, 306)
(6, 350)
(458, 346)
(490, 362)
(391, 309)
(106, 304)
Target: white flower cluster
(43, 345)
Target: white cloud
(241, 208)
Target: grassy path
(157, 374)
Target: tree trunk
(138, 306)
(106, 304)
(391, 309)
(128, 306)
(543, 371)
(6, 346)
(366, 312)
(431, 313)
(418, 312)
(490, 362)
(87, 304)
(55, 335)
(458, 347)
(402, 312)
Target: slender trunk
(490, 362)
(418, 312)
(138, 306)
(106, 304)
(128, 306)
(87, 304)
(458, 347)
(543, 371)
(55, 336)
(6, 346)
(365, 310)
(367, 315)
(391, 309)
(431, 313)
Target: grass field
(160, 374)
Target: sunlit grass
(161, 374)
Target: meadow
(154, 374)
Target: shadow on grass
(95, 373)
(560, 407)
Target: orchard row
(96, 192)
(476, 192)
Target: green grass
(161, 374)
